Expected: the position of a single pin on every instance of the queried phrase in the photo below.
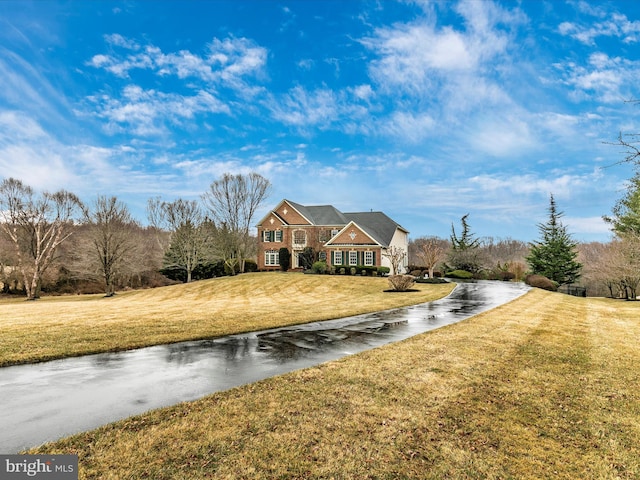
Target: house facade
(340, 239)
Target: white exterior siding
(400, 240)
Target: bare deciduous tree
(396, 256)
(111, 234)
(190, 232)
(431, 251)
(36, 226)
(233, 201)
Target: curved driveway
(43, 402)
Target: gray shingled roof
(376, 224)
(321, 214)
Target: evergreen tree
(465, 249)
(554, 255)
(626, 212)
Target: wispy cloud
(606, 79)
(228, 64)
(227, 61)
(612, 24)
(417, 56)
(150, 112)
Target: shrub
(383, 271)
(461, 274)
(540, 281)
(369, 270)
(353, 270)
(431, 280)
(401, 283)
(306, 258)
(250, 265)
(285, 258)
(319, 267)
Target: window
(271, 258)
(368, 258)
(334, 232)
(272, 236)
(337, 258)
(322, 256)
(299, 237)
(353, 258)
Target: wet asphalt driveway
(46, 401)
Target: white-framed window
(272, 258)
(334, 232)
(300, 237)
(368, 258)
(272, 236)
(337, 258)
(353, 258)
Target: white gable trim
(351, 224)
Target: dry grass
(543, 387)
(55, 327)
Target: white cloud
(562, 186)
(30, 154)
(148, 112)
(505, 136)
(604, 78)
(416, 56)
(227, 61)
(302, 109)
(614, 25)
(409, 126)
(586, 225)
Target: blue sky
(424, 110)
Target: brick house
(338, 238)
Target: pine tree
(626, 212)
(554, 255)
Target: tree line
(465, 255)
(604, 269)
(56, 240)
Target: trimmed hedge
(540, 281)
(357, 269)
(431, 280)
(461, 274)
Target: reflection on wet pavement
(43, 402)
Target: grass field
(55, 327)
(543, 387)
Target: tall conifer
(554, 255)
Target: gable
(271, 221)
(377, 225)
(290, 214)
(352, 234)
